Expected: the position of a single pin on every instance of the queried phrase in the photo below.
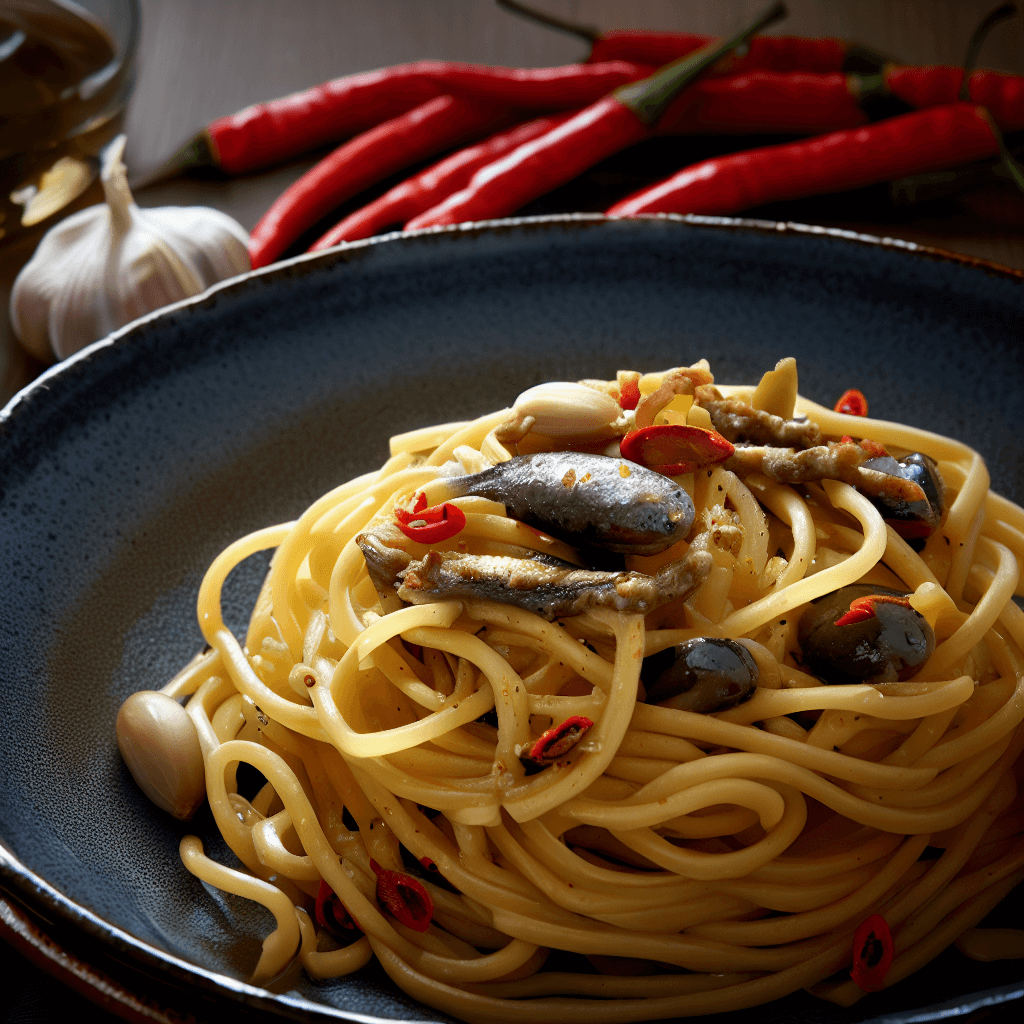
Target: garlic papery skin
(107, 265)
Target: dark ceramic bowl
(126, 469)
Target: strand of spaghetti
(551, 636)
(996, 596)
(605, 736)
(906, 821)
(766, 802)
(785, 503)
(425, 438)
(953, 859)
(572, 895)
(886, 432)
(928, 732)
(282, 943)
(326, 702)
(331, 964)
(506, 686)
(266, 840)
(289, 609)
(854, 907)
(441, 614)
(483, 1009)
(472, 434)
(754, 544)
(192, 676)
(842, 496)
(606, 986)
(297, 717)
(957, 748)
(963, 545)
(558, 856)
(711, 729)
(323, 856)
(709, 866)
(938, 937)
(211, 693)
(857, 697)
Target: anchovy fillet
(587, 500)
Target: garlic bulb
(107, 265)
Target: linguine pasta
(732, 855)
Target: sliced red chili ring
(556, 742)
(431, 525)
(852, 403)
(872, 954)
(403, 897)
(674, 448)
(332, 914)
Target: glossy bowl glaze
(126, 469)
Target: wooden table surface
(200, 59)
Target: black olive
(912, 520)
(891, 644)
(704, 675)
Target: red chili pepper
(629, 395)
(925, 140)
(852, 403)
(332, 914)
(269, 133)
(674, 448)
(437, 125)
(403, 897)
(1001, 94)
(863, 608)
(765, 101)
(604, 128)
(556, 742)
(441, 522)
(429, 187)
(778, 53)
(872, 954)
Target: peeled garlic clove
(103, 267)
(563, 409)
(160, 745)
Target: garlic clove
(565, 409)
(105, 266)
(160, 746)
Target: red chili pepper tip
(629, 394)
(872, 954)
(428, 864)
(431, 525)
(675, 448)
(331, 913)
(556, 742)
(403, 897)
(852, 403)
(863, 608)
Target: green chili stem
(649, 98)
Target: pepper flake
(555, 743)
(872, 954)
(863, 608)
(403, 897)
